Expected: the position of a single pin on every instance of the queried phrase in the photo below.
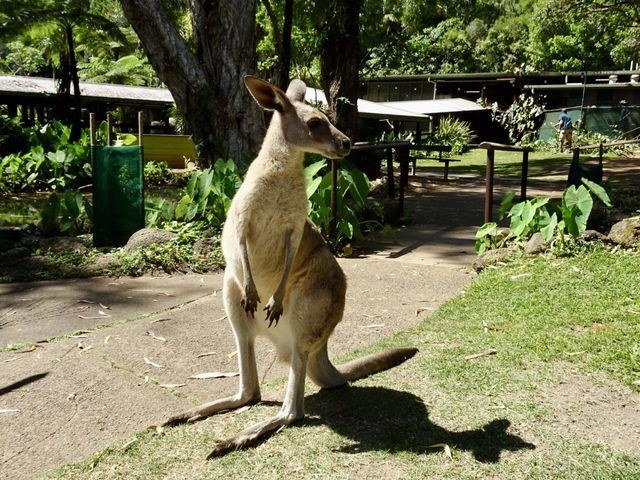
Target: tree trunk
(339, 62)
(285, 60)
(76, 117)
(206, 84)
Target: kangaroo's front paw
(274, 310)
(250, 300)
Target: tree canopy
(190, 47)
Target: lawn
(542, 165)
(557, 399)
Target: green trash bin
(118, 194)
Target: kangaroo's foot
(252, 435)
(207, 409)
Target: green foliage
(351, 196)
(176, 255)
(207, 196)
(13, 138)
(70, 214)
(127, 70)
(561, 40)
(156, 173)
(522, 119)
(540, 215)
(453, 132)
(53, 162)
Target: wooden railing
(491, 148)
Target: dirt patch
(597, 410)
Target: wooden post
(109, 131)
(334, 199)
(488, 197)
(576, 156)
(525, 171)
(600, 153)
(390, 186)
(140, 129)
(403, 157)
(92, 128)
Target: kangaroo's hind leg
(249, 392)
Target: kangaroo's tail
(376, 362)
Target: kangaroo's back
(274, 253)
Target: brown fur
(281, 280)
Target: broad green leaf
(506, 204)
(528, 212)
(183, 206)
(311, 170)
(548, 230)
(486, 229)
(598, 191)
(312, 186)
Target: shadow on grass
(389, 420)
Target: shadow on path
(377, 418)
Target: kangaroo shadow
(377, 418)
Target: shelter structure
(34, 96)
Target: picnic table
(440, 149)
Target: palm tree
(59, 21)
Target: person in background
(565, 125)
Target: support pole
(403, 157)
(109, 129)
(92, 128)
(488, 197)
(334, 199)
(140, 128)
(525, 172)
(390, 185)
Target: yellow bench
(173, 149)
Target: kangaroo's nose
(346, 144)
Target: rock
(492, 257)
(626, 232)
(63, 244)
(592, 236)
(205, 246)
(147, 236)
(14, 254)
(536, 244)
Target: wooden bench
(433, 148)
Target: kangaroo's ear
(297, 90)
(268, 96)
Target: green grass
(548, 318)
(541, 165)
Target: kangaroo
(273, 252)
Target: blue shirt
(566, 122)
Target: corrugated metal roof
(438, 106)
(369, 109)
(415, 110)
(35, 86)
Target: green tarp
(118, 194)
(618, 121)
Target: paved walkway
(64, 400)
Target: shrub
(454, 132)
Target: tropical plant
(351, 195)
(53, 162)
(521, 119)
(541, 215)
(58, 21)
(70, 214)
(453, 132)
(207, 196)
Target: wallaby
(273, 252)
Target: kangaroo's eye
(314, 122)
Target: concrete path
(130, 345)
